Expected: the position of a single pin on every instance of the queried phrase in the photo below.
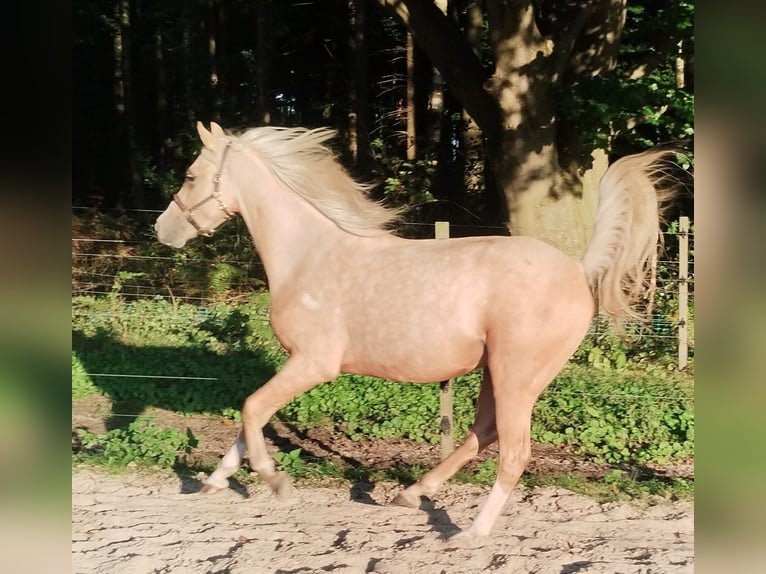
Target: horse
(349, 296)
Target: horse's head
(202, 204)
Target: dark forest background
(144, 71)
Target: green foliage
(407, 182)
(641, 109)
(82, 386)
(119, 281)
(615, 485)
(298, 465)
(602, 103)
(605, 105)
(165, 179)
(369, 407)
(647, 416)
(291, 463)
(215, 356)
(218, 269)
(486, 473)
(141, 443)
(624, 482)
(652, 345)
(223, 277)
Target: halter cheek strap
(215, 195)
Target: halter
(216, 195)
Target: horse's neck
(285, 228)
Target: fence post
(683, 292)
(446, 428)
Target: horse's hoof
(208, 488)
(462, 536)
(282, 486)
(467, 538)
(460, 539)
(407, 500)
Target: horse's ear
(217, 130)
(208, 139)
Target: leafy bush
(406, 181)
(119, 255)
(82, 385)
(641, 416)
(292, 463)
(141, 442)
(180, 357)
(370, 407)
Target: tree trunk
(543, 193)
(423, 85)
(449, 182)
(115, 181)
(263, 61)
(472, 23)
(133, 195)
(680, 67)
(549, 195)
(187, 59)
(212, 50)
(525, 158)
(358, 117)
(163, 130)
(412, 148)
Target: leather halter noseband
(216, 195)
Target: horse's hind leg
(515, 452)
(516, 389)
(482, 434)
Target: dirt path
(142, 524)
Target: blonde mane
(298, 158)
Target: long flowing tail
(621, 256)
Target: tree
(544, 55)
(532, 109)
(124, 101)
(263, 67)
(358, 120)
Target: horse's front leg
(295, 377)
(226, 467)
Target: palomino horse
(349, 296)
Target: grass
(615, 486)
(141, 446)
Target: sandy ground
(148, 523)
